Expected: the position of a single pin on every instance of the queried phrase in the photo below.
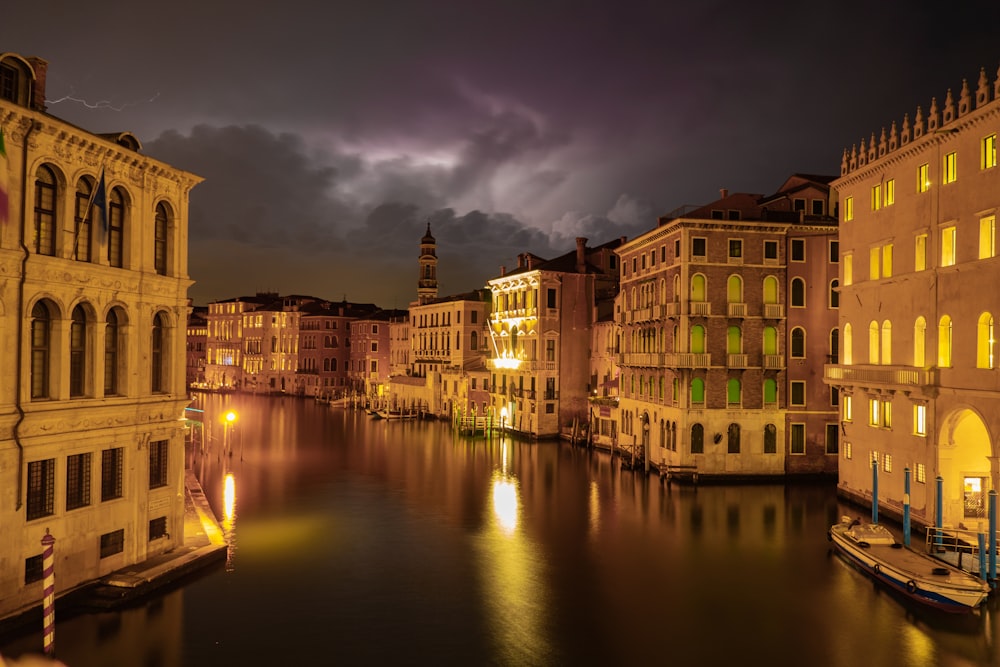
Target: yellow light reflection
(595, 509)
(229, 518)
(505, 504)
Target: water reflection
(229, 517)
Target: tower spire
(427, 284)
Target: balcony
(889, 376)
(774, 311)
(774, 362)
(701, 308)
(642, 314)
(672, 309)
(646, 359)
(687, 360)
(737, 360)
(737, 309)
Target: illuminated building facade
(369, 354)
(917, 370)
(197, 337)
(727, 311)
(92, 322)
(540, 331)
(224, 343)
(325, 347)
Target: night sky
(331, 132)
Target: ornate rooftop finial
(982, 89)
(893, 137)
(882, 145)
(906, 129)
(996, 85)
(843, 163)
(964, 99)
(949, 108)
(918, 123)
(932, 115)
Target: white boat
(919, 576)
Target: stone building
(917, 370)
(727, 313)
(197, 338)
(93, 315)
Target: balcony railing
(687, 360)
(883, 375)
(774, 311)
(703, 308)
(737, 310)
(774, 361)
(647, 359)
(737, 360)
(673, 309)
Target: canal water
(355, 541)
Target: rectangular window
(874, 261)
(889, 194)
(374, 366)
(797, 439)
(735, 248)
(848, 403)
(948, 240)
(950, 174)
(876, 197)
(550, 297)
(887, 260)
(886, 414)
(798, 250)
(798, 204)
(374, 346)
(34, 569)
(112, 543)
(848, 269)
(920, 419)
(112, 462)
(550, 350)
(699, 247)
(848, 209)
(921, 473)
(818, 207)
(873, 411)
(157, 464)
(834, 252)
(41, 489)
(832, 438)
(798, 393)
(77, 481)
(771, 250)
(677, 249)
(923, 178)
(989, 158)
(887, 463)
(848, 451)
(987, 237)
(157, 528)
(834, 396)
(920, 253)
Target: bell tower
(427, 284)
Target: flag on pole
(97, 208)
(4, 182)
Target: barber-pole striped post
(49, 596)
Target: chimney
(581, 254)
(520, 260)
(503, 270)
(527, 256)
(41, 67)
(723, 193)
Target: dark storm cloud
(331, 132)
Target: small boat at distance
(918, 576)
(396, 414)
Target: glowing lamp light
(230, 417)
(507, 360)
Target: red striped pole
(49, 599)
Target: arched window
(835, 346)
(697, 391)
(697, 439)
(326, 365)
(157, 356)
(798, 343)
(770, 340)
(41, 340)
(770, 439)
(734, 289)
(81, 221)
(733, 393)
(944, 342)
(160, 227)
(697, 339)
(984, 342)
(873, 343)
(112, 352)
(770, 289)
(920, 342)
(677, 288)
(835, 294)
(698, 287)
(887, 343)
(45, 211)
(848, 345)
(734, 340)
(734, 438)
(798, 292)
(333, 365)
(116, 228)
(78, 352)
(770, 391)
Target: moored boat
(873, 549)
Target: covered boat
(919, 576)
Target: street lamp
(228, 424)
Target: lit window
(923, 178)
(874, 255)
(873, 411)
(944, 342)
(849, 209)
(948, 246)
(887, 260)
(920, 419)
(848, 451)
(989, 145)
(877, 197)
(890, 192)
(987, 237)
(848, 269)
(920, 253)
(848, 402)
(985, 342)
(950, 168)
(887, 463)
(921, 475)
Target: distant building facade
(197, 339)
(917, 369)
(93, 319)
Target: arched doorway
(964, 453)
